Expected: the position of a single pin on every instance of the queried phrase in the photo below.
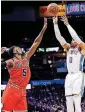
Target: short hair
(11, 51)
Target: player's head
(74, 44)
(15, 50)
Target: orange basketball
(53, 8)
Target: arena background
(20, 24)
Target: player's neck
(18, 57)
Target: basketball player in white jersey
(74, 83)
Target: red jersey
(20, 73)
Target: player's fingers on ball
(63, 19)
(65, 16)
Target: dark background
(21, 23)
(21, 19)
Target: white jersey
(75, 60)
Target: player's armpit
(66, 46)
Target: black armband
(3, 64)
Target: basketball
(53, 8)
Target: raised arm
(73, 34)
(37, 41)
(62, 41)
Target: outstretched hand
(65, 20)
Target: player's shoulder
(82, 45)
(25, 58)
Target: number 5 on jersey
(24, 71)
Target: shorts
(14, 99)
(74, 83)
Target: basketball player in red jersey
(14, 96)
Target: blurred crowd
(48, 98)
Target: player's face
(74, 44)
(17, 50)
